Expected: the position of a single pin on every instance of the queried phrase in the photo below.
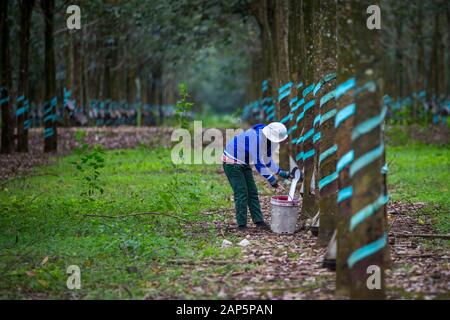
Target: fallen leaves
(290, 266)
(109, 137)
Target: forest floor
(157, 229)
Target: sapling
(90, 161)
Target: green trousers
(245, 192)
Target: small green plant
(183, 106)
(90, 161)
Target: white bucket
(284, 214)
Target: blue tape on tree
(293, 128)
(345, 160)
(308, 134)
(345, 194)
(20, 99)
(367, 211)
(327, 116)
(299, 156)
(327, 180)
(48, 110)
(327, 153)
(53, 101)
(67, 94)
(293, 100)
(344, 87)
(287, 118)
(368, 125)
(298, 104)
(323, 81)
(317, 137)
(344, 114)
(4, 100)
(21, 111)
(51, 117)
(308, 90)
(369, 86)
(27, 124)
(384, 169)
(300, 117)
(317, 88)
(317, 120)
(299, 85)
(271, 116)
(309, 154)
(48, 132)
(329, 77)
(284, 95)
(387, 99)
(309, 105)
(326, 98)
(366, 159)
(286, 87)
(367, 250)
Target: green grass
(44, 215)
(421, 173)
(45, 223)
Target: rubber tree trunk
(50, 132)
(343, 123)
(282, 60)
(23, 122)
(7, 118)
(326, 145)
(367, 226)
(309, 207)
(297, 47)
(69, 78)
(261, 11)
(157, 91)
(420, 83)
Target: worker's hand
(274, 183)
(284, 174)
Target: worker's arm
(266, 166)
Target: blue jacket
(252, 147)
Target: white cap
(276, 132)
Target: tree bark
(50, 131)
(282, 78)
(23, 122)
(328, 181)
(368, 237)
(309, 207)
(7, 140)
(345, 74)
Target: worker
(254, 146)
